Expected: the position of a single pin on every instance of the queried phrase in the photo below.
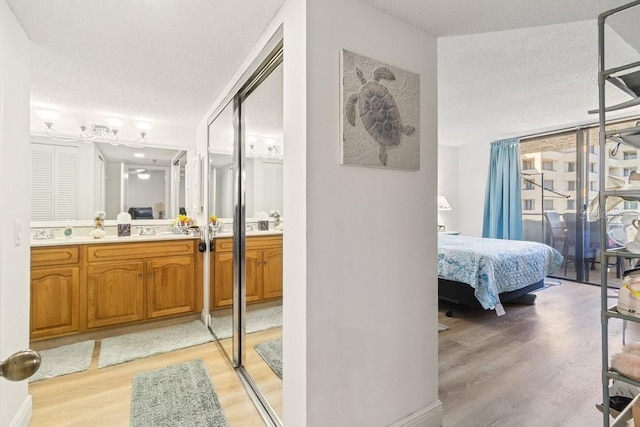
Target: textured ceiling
(166, 62)
(512, 83)
(456, 17)
(163, 62)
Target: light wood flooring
(102, 397)
(536, 366)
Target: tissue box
(124, 230)
(263, 225)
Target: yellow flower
(213, 218)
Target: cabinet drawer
(263, 242)
(253, 243)
(127, 251)
(54, 256)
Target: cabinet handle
(266, 262)
(140, 276)
(150, 274)
(259, 263)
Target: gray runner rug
(64, 360)
(271, 352)
(137, 345)
(257, 320)
(180, 395)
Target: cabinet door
(54, 301)
(223, 279)
(115, 293)
(272, 273)
(170, 286)
(254, 275)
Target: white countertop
(83, 240)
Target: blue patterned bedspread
(492, 266)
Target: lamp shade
(443, 204)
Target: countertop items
(80, 240)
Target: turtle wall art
(380, 120)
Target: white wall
(473, 170)
(112, 189)
(448, 184)
(360, 302)
(371, 291)
(15, 174)
(147, 192)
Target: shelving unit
(630, 84)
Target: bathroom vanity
(82, 284)
(263, 268)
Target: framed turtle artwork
(380, 115)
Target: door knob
(20, 365)
(140, 276)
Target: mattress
(492, 266)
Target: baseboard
(23, 416)
(431, 416)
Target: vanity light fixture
(107, 133)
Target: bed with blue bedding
(487, 272)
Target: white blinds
(272, 187)
(54, 183)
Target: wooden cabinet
(170, 286)
(84, 287)
(115, 293)
(263, 263)
(161, 282)
(55, 291)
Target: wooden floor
(536, 366)
(101, 397)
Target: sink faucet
(44, 234)
(147, 231)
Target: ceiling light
(89, 133)
(144, 175)
(138, 155)
(140, 170)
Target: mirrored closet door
(246, 230)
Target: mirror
(71, 181)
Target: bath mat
(64, 360)
(442, 327)
(271, 352)
(180, 395)
(137, 345)
(257, 320)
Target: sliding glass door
(560, 176)
(246, 231)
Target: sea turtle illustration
(378, 111)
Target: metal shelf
(612, 312)
(622, 252)
(605, 76)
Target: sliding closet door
(262, 131)
(222, 169)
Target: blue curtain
(503, 204)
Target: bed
(483, 272)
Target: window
(548, 205)
(571, 186)
(593, 168)
(547, 165)
(528, 205)
(528, 185)
(593, 186)
(630, 155)
(548, 184)
(630, 205)
(627, 171)
(571, 166)
(571, 205)
(527, 165)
